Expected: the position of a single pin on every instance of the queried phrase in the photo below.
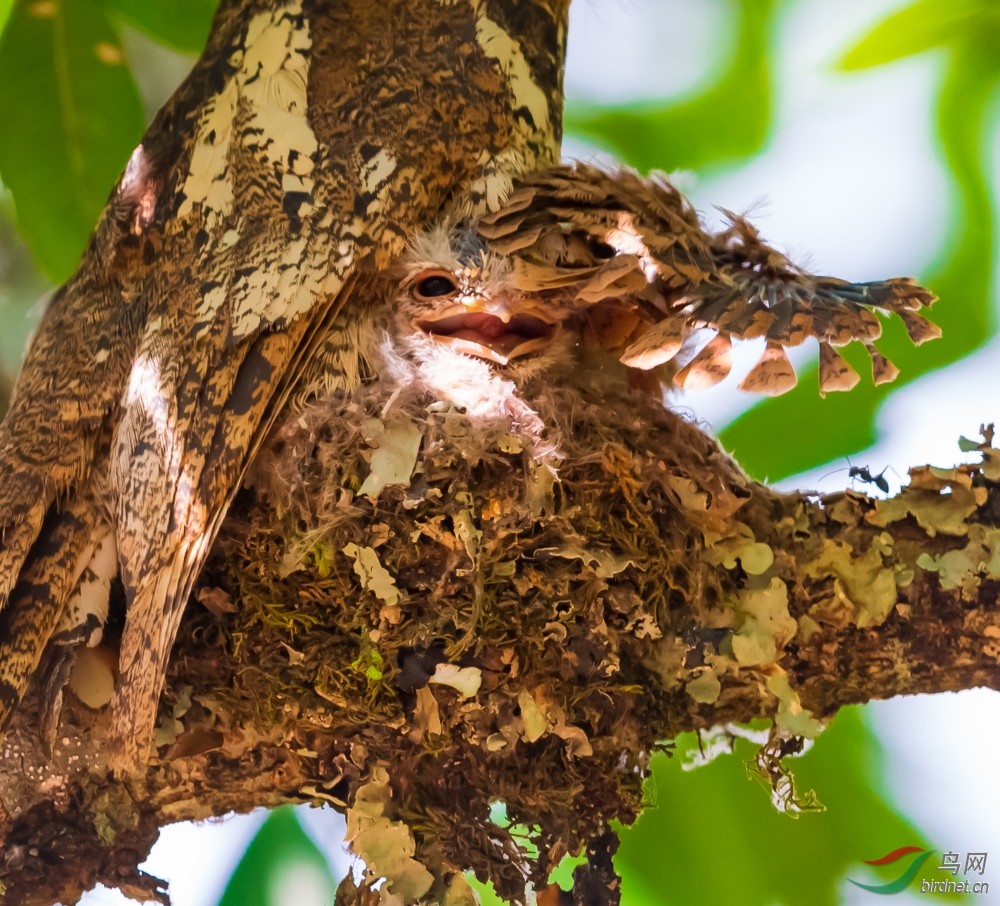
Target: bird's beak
(498, 329)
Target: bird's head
(459, 294)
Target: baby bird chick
(462, 307)
(456, 293)
(463, 331)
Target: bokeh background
(862, 137)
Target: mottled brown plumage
(631, 256)
(291, 161)
(234, 270)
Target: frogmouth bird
(579, 258)
(578, 262)
(289, 166)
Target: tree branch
(484, 634)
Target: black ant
(863, 473)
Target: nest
(446, 609)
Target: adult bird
(310, 141)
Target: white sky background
(850, 185)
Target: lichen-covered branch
(413, 613)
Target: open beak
(496, 330)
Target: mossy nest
(459, 610)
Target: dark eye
(601, 249)
(434, 286)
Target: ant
(863, 473)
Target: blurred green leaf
(181, 24)
(281, 867)
(922, 26)
(713, 836)
(726, 122)
(71, 115)
(21, 286)
(5, 8)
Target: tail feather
(18, 537)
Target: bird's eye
(434, 286)
(601, 250)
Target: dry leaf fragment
(577, 744)
(396, 442)
(426, 714)
(373, 575)
(604, 563)
(386, 846)
(216, 600)
(464, 680)
(535, 724)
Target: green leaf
(713, 836)
(726, 122)
(5, 7)
(181, 24)
(21, 286)
(281, 867)
(71, 115)
(923, 25)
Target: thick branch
(649, 590)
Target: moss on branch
(511, 617)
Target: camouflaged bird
(288, 165)
(458, 293)
(629, 259)
(581, 263)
